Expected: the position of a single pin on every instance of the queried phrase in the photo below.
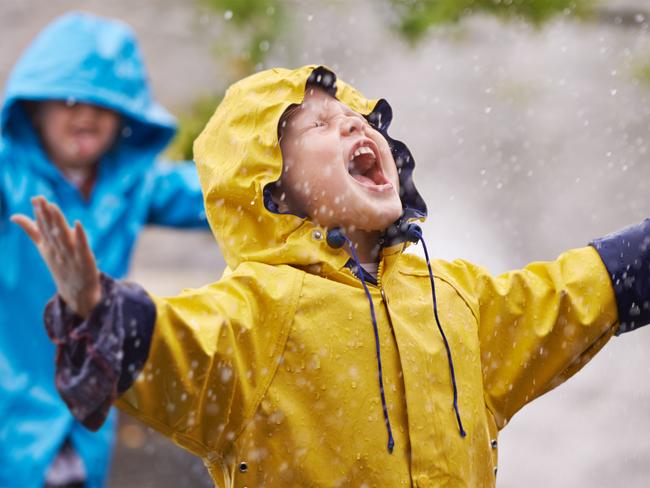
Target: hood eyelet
(243, 467)
(317, 234)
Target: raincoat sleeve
(177, 200)
(201, 369)
(212, 356)
(539, 325)
(97, 359)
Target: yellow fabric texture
(270, 374)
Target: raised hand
(67, 254)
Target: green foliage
(416, 16)
(191, 123)
(641, 71)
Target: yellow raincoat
(270, 374)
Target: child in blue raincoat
(79, 125)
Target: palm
(67, 254)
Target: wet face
(75, 136)
(337, 169)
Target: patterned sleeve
(98, 358)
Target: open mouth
(364, 166)
(84, 138)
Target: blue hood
(85, 58)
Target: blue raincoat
(93, 60)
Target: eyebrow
(296, 110)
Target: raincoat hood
(238, 155)
(84, 58)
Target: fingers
(53, 227)
(60, 225)
(50, 232)
(40, 219)
(83, 248)
(29, 226)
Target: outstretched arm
(538, 325)
(202, 359)
(102, 327)
(177, 200)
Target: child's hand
(66, 253)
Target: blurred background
(530, 124)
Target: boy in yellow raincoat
(326, 355)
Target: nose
(87, 110)
(350, 124)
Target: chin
(84, 161)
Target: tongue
(363, 179)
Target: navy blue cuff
(626, 255)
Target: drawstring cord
(391, 441)
(414, 234)
(336, 239)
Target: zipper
(384, 300)
(380, 270)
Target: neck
(82, 177)
(366, 245)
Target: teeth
(362, 150)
